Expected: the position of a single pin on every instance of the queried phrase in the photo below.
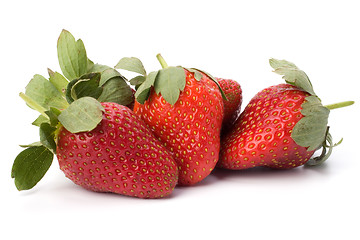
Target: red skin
(262, 134)
(232, 106)
(190, 129)
(120, 155)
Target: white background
(230, 39)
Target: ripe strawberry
(232, 106)
(281, 127)
(184, 109)
(101, 145)
(120, 155)
(262, 134)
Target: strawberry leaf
(34, 144)
(98, 68)
(53, 114)
(44, 93)
(131, 64)
(30, 166)
(83, 115)
(275, 63)
(87, 85)
(41, 119)
(58, 80)
(142, 93)
(72, 56)
(197, 75)
(311, 130)
(90, 65)
(169, 82)
(108, 74)
(137, 81)
(292, 74)
(47, 136)
(327, 148)
(116, 90)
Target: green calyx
(168, 81)
(312, 130)
(70, 100)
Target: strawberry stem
(339, 105)
(34, 105)
(161, 61)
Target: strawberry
(232, 106)
(120, 155)
(100, 145)
(281, 127)
(184, 109)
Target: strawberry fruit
(120, 155)
(281, 127)
(232, 106)
(184, 109)
(100, 145)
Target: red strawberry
(120, 155)
(184, 109)
(232, 106)
(281, 127)
(104, 146)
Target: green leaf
(311, 130)
(108, 74)
(142, 93)
(98, 68)
(82, 115)
(34, 144)
(47, 136)
(169, 82)
(41, 119)
(53, 114)
(327, 148)
(138, 80)
(58, 80)
(72, 56)
(275, 63)
(44, 93)
(90, 65)
(292, 74)
(198, 76)
(87, 86)
(116, 90)
(131, 64)
(68, 92)
(30, 166)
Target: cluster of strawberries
(176, 128)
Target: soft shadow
(323, 168)
(269, 173)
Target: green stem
(34, 105)
(339, 105)
(161, 61)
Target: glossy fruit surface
(262, 134)
(120, 155)
(189, 129)
(232, 104)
